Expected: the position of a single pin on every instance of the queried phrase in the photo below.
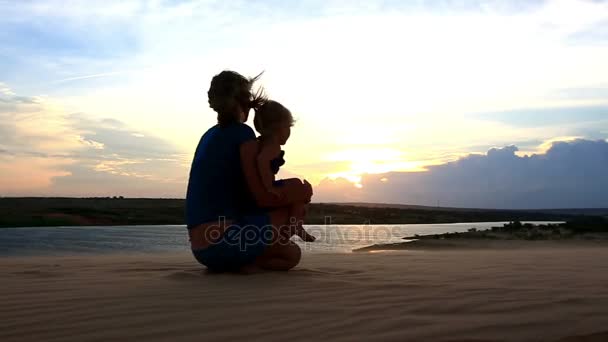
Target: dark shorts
(242, 243)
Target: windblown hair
(270, 114)
(230, 93)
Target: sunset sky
(103, 98)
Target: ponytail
(270, 113)
(230, 92)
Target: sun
(372, 161)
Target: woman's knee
(280, 257)
(296, 252)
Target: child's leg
(291, 187)
(297, 211)
(296, 221)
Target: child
(273, 121)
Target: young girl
(273, 121)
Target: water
(150, 239)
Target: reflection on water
(129, 239)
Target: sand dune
(463, 295)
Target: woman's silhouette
(228, 229)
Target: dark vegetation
(584, 227)
(589, 230)
(562, 211)
(39, 212)
(355, 214)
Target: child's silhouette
(273, 121)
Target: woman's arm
(263, 198)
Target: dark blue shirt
(217, 185)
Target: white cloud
(44, 151)
(362, 78)
(5, 91)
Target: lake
(167, 238)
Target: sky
(457, 103)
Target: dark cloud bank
(569, 175)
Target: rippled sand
(546, 294)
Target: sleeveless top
(217, 185)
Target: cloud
(44, 151)
(114, 179)
(541, 117)
(117, 160)
(9, 101)
(570, 174)
(26, 124)
(404, 76)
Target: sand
(525, 294)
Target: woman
(228, 230)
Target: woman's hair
(269, 114)
(230, 92)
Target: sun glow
(546, 145)
(372, 161)
(459, 81)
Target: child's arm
(249, 151)
(267, 153)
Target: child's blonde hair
(269, 114)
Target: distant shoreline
(478, 244)
(48, 212)
(587, 231)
